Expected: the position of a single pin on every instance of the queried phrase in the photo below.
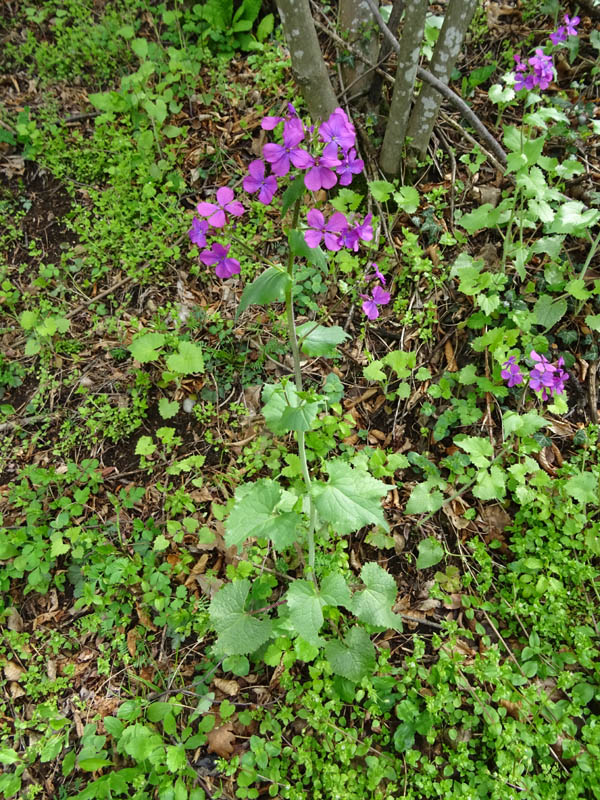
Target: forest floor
(118, 467)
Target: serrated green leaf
(140, 48)
(255, 514)
(584, 488)
(285, 410)
(176, 758)
(549, 311)
(239, 632)
(146, 347)
(574, 218)
(401, 362)
(350, 499)
(479, 448)
(188, 360)
(485, 216)
(373, 604)
(407, 198)
(334, 591)
(306, 615)
(145, 446)
(593, 321)
(167, 408)
(431, 553)
(318, 340)
(522, 424)
(381, 190)
(353, 659)
(268, 287)
(373, 371)
(424, 499)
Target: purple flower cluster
(327, 158)
(378, 296)
(544, 377)
(540, 71)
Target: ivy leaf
(255, 513)
(188, 360)
(350, 499)
(431, 553)
(318, 340)
(355, 658)
(373, 605)
(268, 287)
(146, 347)
(306, 613)
(239, 632)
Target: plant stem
(291, 324)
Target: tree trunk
(408, 61)
(357, 24)
(385, 50)
(449, 43)
(307, 62)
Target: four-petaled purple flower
(279, 156)
(350, 165)
(217, 257)
(376, 274)
(379, 297)
(255, 181)
(198, 231)
(338, 130)
(328, 231)
(571, 25)
(216, 212)
(542, 68)
(512, 372)
(321, 175)
(559, 35)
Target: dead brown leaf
(227, 686)
(199, 568)
(450, 358)
(132, 638)
(221, 740)
(14, 621)
(12, 671)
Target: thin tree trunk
(356, 22)
(406, 72)
(448, 46)
(386, 49)
(307, 61)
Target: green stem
(594, 246)
(291, 324)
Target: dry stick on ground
(444, 90)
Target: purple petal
(224, 195)
(370, 308)
(315, 219)
(206, 209)
(312, 238)
(198, 231)
(268, 123)
(380, 296)
(235, 208)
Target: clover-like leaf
(255, 513)
(373, 604)
(353, 659)
(239, 632)
(350, 499)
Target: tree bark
(356, 22)
(449, 43)
(406, 72)
(307, 62)
(386, 49)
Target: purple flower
(377, 274)
(351, 165)
(338, 130)
(379, 297)
(279, 156)
(255, 181)
(542, 68)
(571, 25)
(320, 174)
(268, 123)
(559, 35)
(560, 378)
(512, 372)
(216, 213)
(329, 231)
(217, 257)
(364, 230)
(198, 231)
(543, 377)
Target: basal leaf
(353, 659)
(548, 311)
(255, 514)
(373, 604)
(239, 632)
(584, 487)
(425, 498)
(431, 553)
(306, 613)
(146, 347)
(188, 360)
(350, 499)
